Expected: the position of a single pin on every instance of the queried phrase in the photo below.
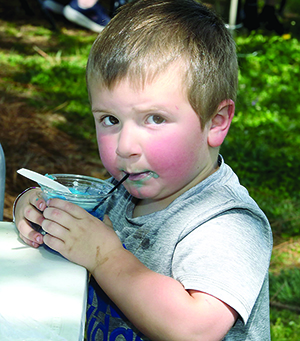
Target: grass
(285, 290)
(263, 142)
(46, 71)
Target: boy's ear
(220, 123)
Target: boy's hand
(29, 208)
(77, 235)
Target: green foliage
(263, 143)
(285, 288)
(54, 80)
(285, 325)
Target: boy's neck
(144, 207)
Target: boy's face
(153, 134)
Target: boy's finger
(38, 202)
(66, 206)
(55, 229)
(33, 215)
(63, 216)
(29, 235)
(35, 198)
(54, 243)
(29, 242)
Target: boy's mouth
(139, 176)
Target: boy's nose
(128, 142)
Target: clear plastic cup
(87, 192)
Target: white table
(42, 295)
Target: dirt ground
(27, 136)
(30, 141)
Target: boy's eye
(155, 119)
(109, 121)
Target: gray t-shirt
(213, 238)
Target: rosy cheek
(107, 153)
(174, 158)
(169, 157)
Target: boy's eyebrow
(151, 108)
(137, 110)
(98, 110)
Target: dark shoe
(56, 6)
(94, 18)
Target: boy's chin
(138, 193)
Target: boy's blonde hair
(147, 36)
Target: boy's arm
(157, 305)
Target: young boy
(183, 253)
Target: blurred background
(46, 124)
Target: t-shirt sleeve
(227, 257)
